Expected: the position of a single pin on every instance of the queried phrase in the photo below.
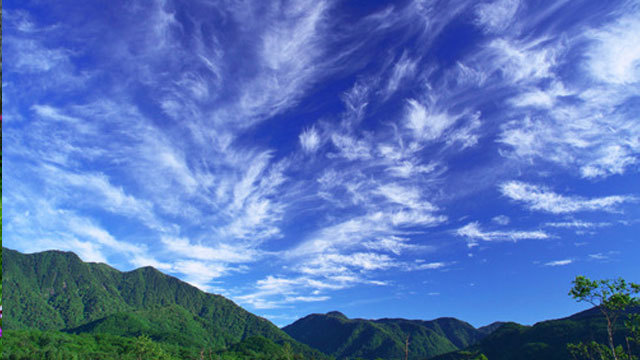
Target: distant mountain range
(53, 299)
(334, 334)
(545, 340)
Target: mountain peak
(337, 314)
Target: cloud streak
(542, 199)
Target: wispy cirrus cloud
(472, 232)
(577, 124)
(577, 224)
(555, 263)
(211, 139)
(496, 16)
(541, 198)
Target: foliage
(56, 291)
(612, 297)
(335, 334)
(54, 345)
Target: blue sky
(409, 159)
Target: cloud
(472, 232)
(277, 291)
(614, 56)
(577, 224)
(424, 124)
(524, 62)
(290, 56)
(355, 232)
(404, 68)
(542, 199)
(427, 266)
(496, 16)
(559, 262)
(351, 148)
(582, 122)
(598, 256)
(394, 244)
(199, 273)
(405, 196)
(310, 140)
(501, 220)
(224, 253)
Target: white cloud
(199, 273)
(496, 16)
(543, 199)
(407, 169)
(293, 299)
(424, 124)
(577, 224)
(428, 266)
(614, 56)
(472, 232)
(403, 69)
(409, 197)
(559, 262)
(290, 52)
(523, 62)
(85, 228)
(394, 244)
(501, 220)
(277, 291)
(225, 253)
(351, 148)
(33, 57)
(594, 135)
(355, 232)
(95, 190)
(86, 250)
(310, 140)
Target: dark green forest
(335, 334)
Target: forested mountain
(335, 334)
(58, 306)
(56, 291)
(545, 340)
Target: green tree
(287, 352)
(146, 349)
(611, 296)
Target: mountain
(57, 291)
(545, 340)
(335, 334)
(488, 329)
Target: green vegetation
(612, 297)
(581, 336)
(54, 295)
(336, 335)
(62, 308)
(54, 345)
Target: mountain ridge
(337, 335)
(57, 291)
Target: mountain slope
(544, 340)
(55, 290)
(335, 334)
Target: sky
(413, 159)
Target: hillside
(335, 334)
(544, 340)
(56, 291)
